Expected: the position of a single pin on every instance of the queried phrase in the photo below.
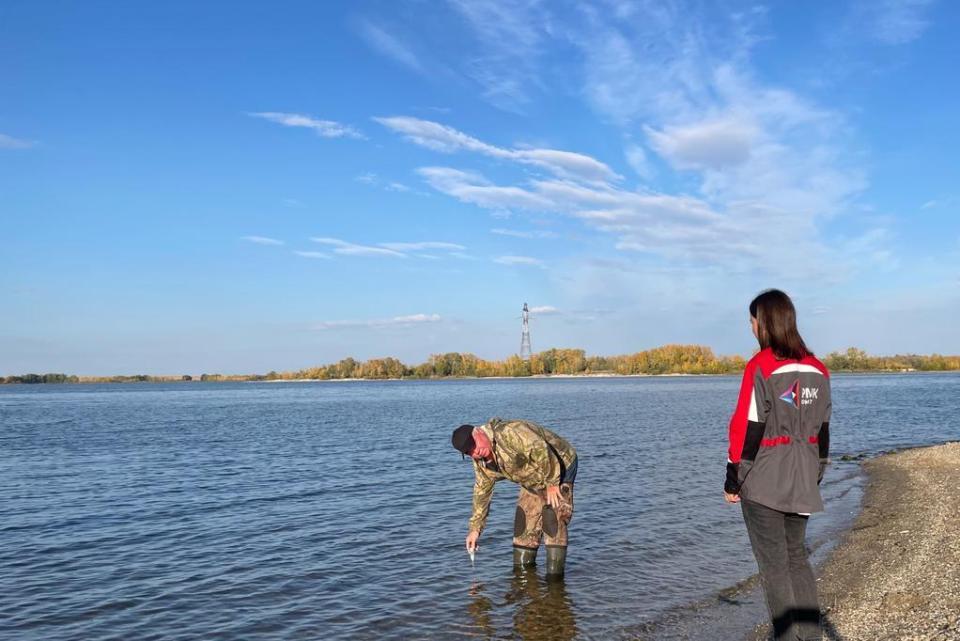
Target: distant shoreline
(480, 378)
(665, 360)
(547, 376)
(177, 379)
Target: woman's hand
(731, 498)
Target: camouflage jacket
(521, 454)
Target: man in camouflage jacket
(543, 464)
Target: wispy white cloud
(293, 203)
(761, 156)
(390, 46)
(637, 159)
(564, 164)
(374, 180)
(396, 321)
(351, 249)
(309, 254)
(738, 155)
(403, 247)
(518, 260)
(438, 137)
(519, 233)
(262, 240)
(930, 204)
(686, 80)
(324, 128)
(473, 188)
(544, 310)
(712, 144)
(871, 250)
(893, 22)
(392, 249)
(677, 227)
(9, 142)
(511, 35)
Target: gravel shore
(896, 574)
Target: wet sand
(896, 574)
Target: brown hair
(777, 324)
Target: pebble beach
(896, 574)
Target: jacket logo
(797, 396)
(792, 395)
(808, 395)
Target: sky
(237, 187)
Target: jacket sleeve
(482, 493)
(746, 428)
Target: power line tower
(525, 350)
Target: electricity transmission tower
(525, 350)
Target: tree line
(30, 379)
(667, 359)
(857, 360)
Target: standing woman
(779, 442)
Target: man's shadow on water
(542, 610)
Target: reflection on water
(542, 610)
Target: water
(338, 510)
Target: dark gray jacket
(780, 433)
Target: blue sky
(245, 186)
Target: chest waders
(535, 518)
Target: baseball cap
(463, 439)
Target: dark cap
(463, 439)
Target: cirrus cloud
(262, 240)
(397, 321)
(433, 135)
(518, 260)
(323, 128)
(9, 142)
(351, 249)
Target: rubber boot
(556, 560)
(524, 557)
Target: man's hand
(731, 498)
(553, 496)
(472, 540)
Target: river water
(338, 510)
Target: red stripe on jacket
(738, 422)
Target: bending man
(543, 464)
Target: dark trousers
(785, 572)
